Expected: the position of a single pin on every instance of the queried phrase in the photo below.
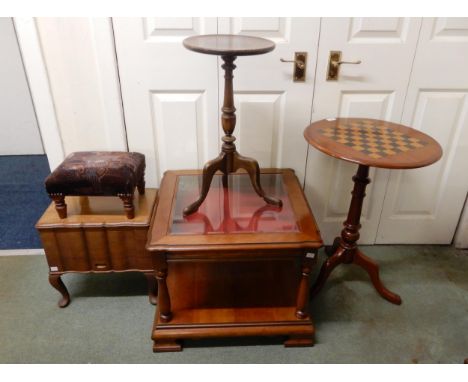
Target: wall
(19, 132)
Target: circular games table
(368, 143)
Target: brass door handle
(334, 62)
(300, 66)
(348, 62)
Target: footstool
(97, 173)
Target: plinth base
(236, 322)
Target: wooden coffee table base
(345, 249)
(275, 322)
(245, 296)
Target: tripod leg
(208, 172)
(327, 267)
(253, 169)
(331, 250)
(371, 267)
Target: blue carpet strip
(23, 199)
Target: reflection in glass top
(235, 209)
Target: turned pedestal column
(345, 249)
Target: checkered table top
(373, 142)
(371, 138)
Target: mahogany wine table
(238, 266)
(229, 160)
(368, 143)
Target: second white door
(375, 88)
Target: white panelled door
(375, 88)
(423, 205)
(170, 94)
(272, 110)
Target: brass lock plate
(333, 66)
(300, 66)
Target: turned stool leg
(57, 283)
(141, 185)
(128, 205)
(60, 206)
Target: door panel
(423, 205)
(170, 94)
(272, 110)
(375, 88)
(263, 113)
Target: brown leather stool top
(97, 173)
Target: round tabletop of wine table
(374, 143)
(229, 45)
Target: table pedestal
(229, 160)
(345, 249)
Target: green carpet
(109, 319)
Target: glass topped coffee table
(237, 266)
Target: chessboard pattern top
(373, 142)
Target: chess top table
(369, 143)
(237, 266)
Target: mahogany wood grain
(96, 237)
(56, 281)
(161, 239)
(303, 293)
(226, 284)
(233, 45)
(367, 142)
(429, 153)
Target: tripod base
(342, 255)
(228, 162)
(345, 250)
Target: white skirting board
(21, 252)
